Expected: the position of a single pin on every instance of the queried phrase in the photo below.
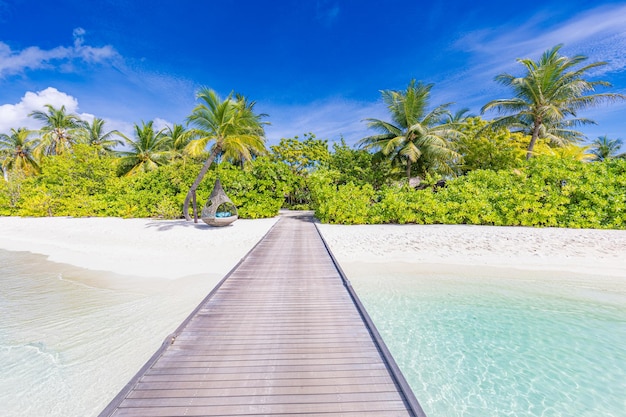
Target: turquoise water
(70, 339)
(482, 346)
(471, 343)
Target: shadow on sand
(164, 225)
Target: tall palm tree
(16, 152)
(58, 132)
(147, 151)
(415, 136)
(230, 126)
(548, 98)
(104, 142)
(604, 148)
(178, 137)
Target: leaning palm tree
(604, 148)
(548, 98)
(94, 135)
(16, 152)
(230, 126)
(415, 136)
(58, 133)
(147, 151)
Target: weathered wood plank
(261, 409)
(191, 375)
(162, 390)
(273, 398)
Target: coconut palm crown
(228, 127)
(603, 148)
(58, 133)
(147, 151)
(548, 97)
(16, 152)
(415, 136)
(94, 135)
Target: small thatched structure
(219, 210)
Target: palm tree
(459, 117)
(93, 134)
(230, 125)
(147, 151)
(178, 138)
(415, 136)
(58, 132)
(548, 97)
(604, 148)
(16, 152)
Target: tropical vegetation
(423, 164)
(416, 136)
(548, 97)
(232, 129)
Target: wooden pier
(283, 334)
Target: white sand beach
(585, 257)
(139, 247)
(174, 249)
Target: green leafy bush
(83, 183)
(544, 192)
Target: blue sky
(312, 65)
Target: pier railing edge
(394, 369)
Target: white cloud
(599, 33)
(125, 128)
(34, 58)
(16, 115)
(161, 124)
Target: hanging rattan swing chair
(219, 210)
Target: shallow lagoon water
(494, 342)
(483, 342)
(70, 338)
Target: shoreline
(578, 251)
(172, 249)
(143, 248)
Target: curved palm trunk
(533, 139)
(191, 194)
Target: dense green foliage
(484, 147)
(543, 192)
(84, 183)
(353, 188)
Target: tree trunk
(192, 191)
(408, 170)
(533, 139)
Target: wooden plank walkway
(283, 334)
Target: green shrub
(544, 192)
